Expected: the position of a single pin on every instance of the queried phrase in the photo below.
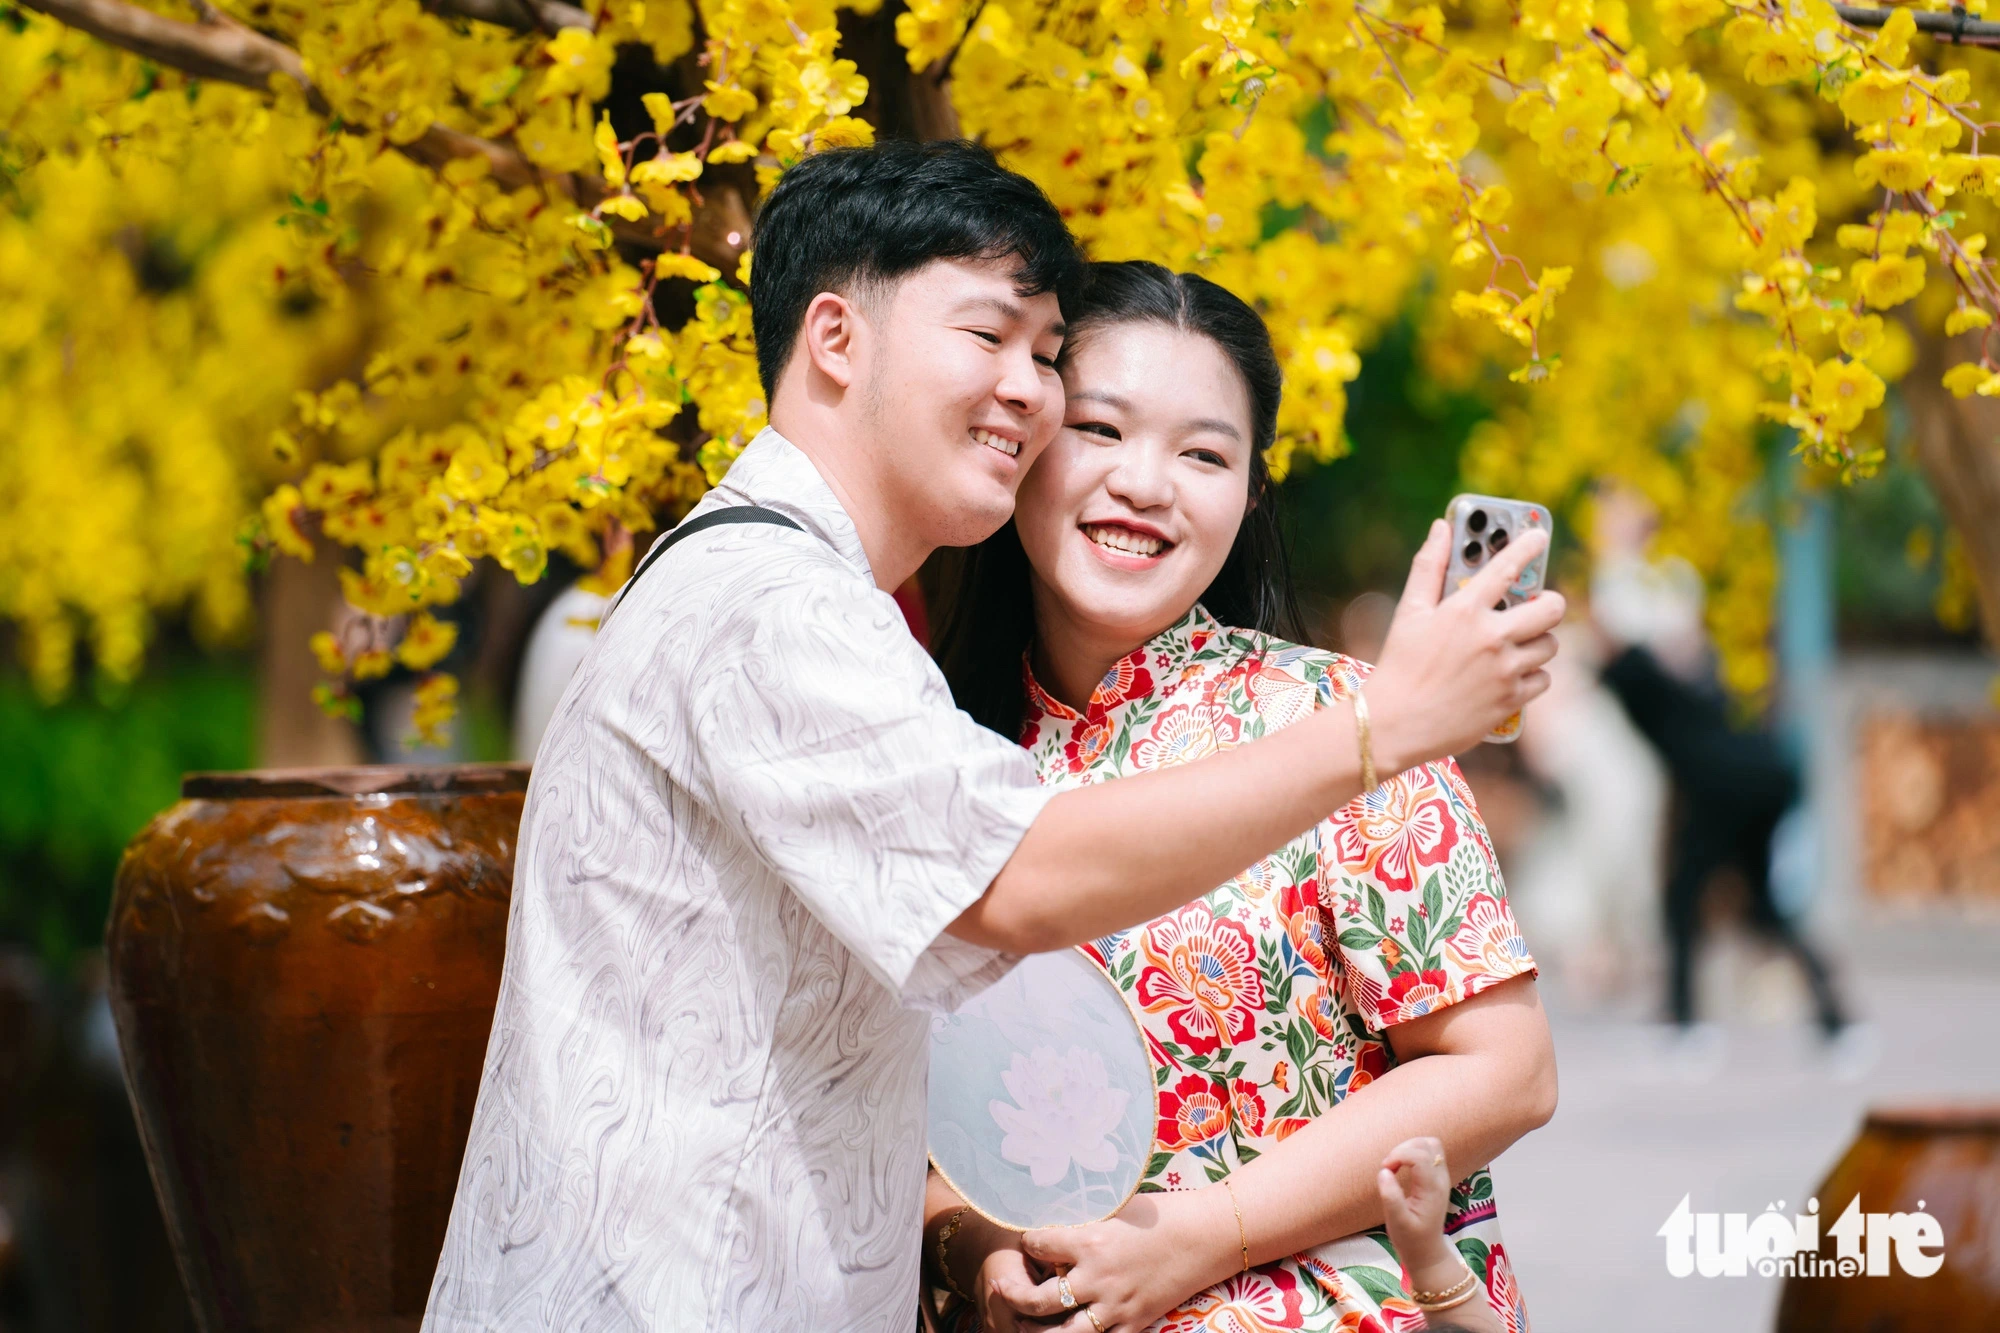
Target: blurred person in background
(1733, 786)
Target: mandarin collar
(1158, 661)
(776, 474)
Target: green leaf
(1378, 909)
(1379, 1283)
(1157, 1163)
(1433, 898)
(1475, 1253)
(1295, 1043)
(1354, 937)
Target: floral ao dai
(1267, 1001)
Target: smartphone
(1481, 527)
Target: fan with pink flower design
(1042, 1097)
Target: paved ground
(1581, 1199)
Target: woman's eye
(1046, 362)
(1208, 456)
(984, 336)
(1104, 429)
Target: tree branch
(219, 47)
(1956, 27)
(520, 15)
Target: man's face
(960, 393)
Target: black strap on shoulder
(688, 528)
(714, 518)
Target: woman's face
(1129, 514)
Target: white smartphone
(1481, 528)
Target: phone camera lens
(1473, 551)
(1498, 541)
(1476, 521)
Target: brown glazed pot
(1947, 1159)
(303, 967)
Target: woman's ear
(829, 336)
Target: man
(760, 841)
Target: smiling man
(761, 842)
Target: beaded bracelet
(1458, 1293)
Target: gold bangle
(1458, 1293)
(1242, 1236)
(1368, 782)
(945, 1233)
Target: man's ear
(830, 335)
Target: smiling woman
(1134, 618)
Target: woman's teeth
(1123, 539)
(1011, 448)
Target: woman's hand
(1453, 668)
(1159, 1250)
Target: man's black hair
(849, 217)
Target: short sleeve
(1407, 872)
(828, 740)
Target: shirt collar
(776, 474)
(1159, 661)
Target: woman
(1143, 580)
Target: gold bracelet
(1458, 1293)
(1242, 1236)
(1368, 782)
(945, 1233)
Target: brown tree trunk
(1958, 446)
(298, 600)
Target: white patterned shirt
(754, 813)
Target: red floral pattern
(1393, 831)
(1267, 1001)
(1195, 1111)
(1201, 974)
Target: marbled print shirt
(1268, 1001)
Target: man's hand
(1453, 668)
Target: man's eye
(983, 335)
(1046, 362)
(1104, 429)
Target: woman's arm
(981, 1255)
(1477, 1076)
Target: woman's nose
(1139, 477)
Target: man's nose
(1023, 387)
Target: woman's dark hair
(990, 618)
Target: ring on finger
(1087, 1314)
(1062, 1290)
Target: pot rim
(1936, 1118)
(356, 780)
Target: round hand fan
(1042, 1102)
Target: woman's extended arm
(1477, 1076)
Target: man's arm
(1110, 856)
